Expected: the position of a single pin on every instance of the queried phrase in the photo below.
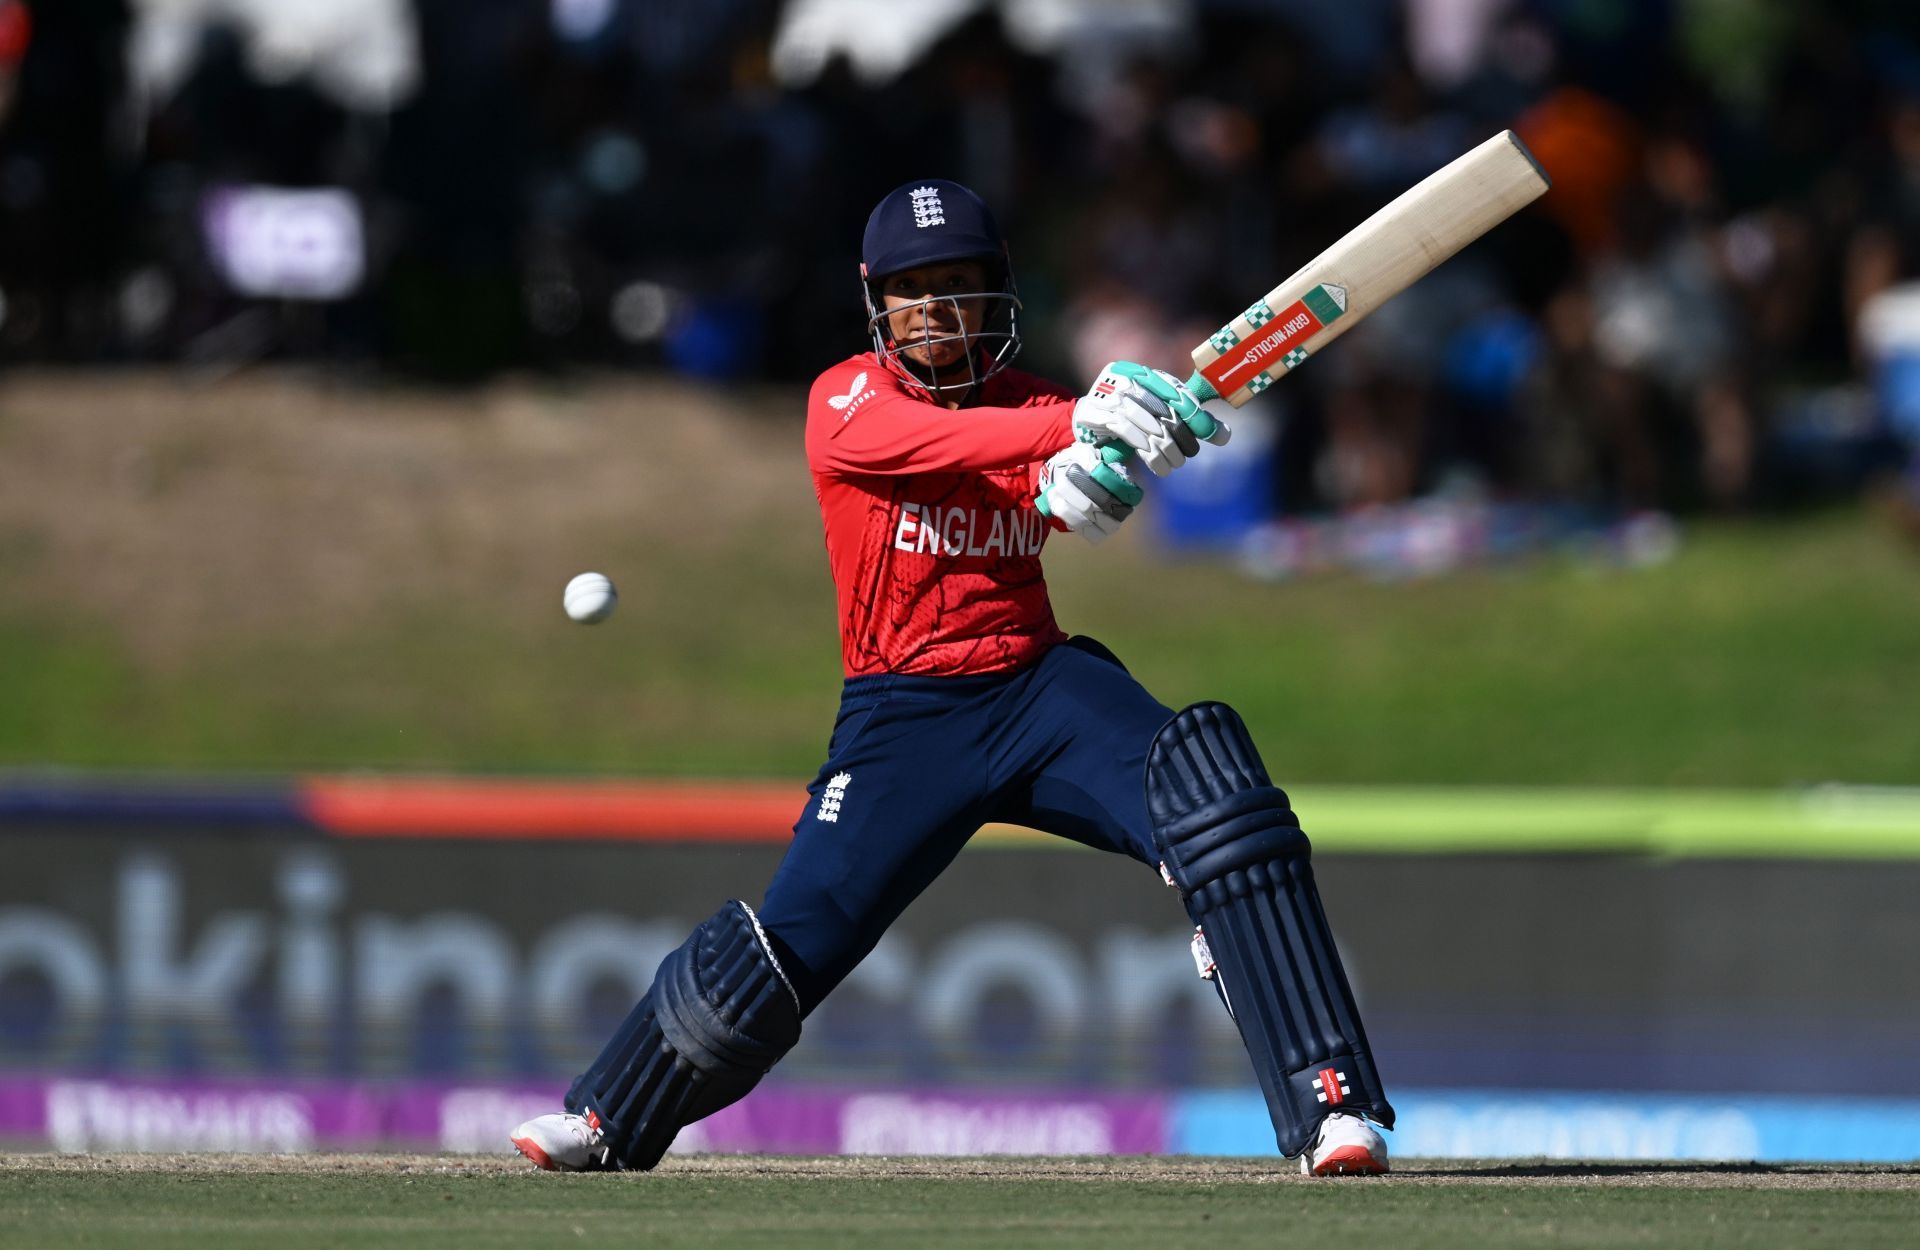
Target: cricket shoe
(563, 1142)
(1346, 1145)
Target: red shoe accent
(1349, 1161)
(530, 1148)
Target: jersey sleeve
(860, 423)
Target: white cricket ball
(590, 597)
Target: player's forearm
(924, 439)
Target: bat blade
(1372, 263)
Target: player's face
(920, 307)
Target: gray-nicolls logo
(832, 796)
(927, 209)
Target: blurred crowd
(1711, 309)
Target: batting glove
(1148, 411)
(1089, 489)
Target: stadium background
(1573, 595)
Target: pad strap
(1235, 850)
(719, 1015)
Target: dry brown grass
(274, 504)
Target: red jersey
(931, 530)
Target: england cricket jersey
(931, 531)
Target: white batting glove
(1142, 409)
(1090, 494)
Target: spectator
(623, 182)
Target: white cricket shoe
(1346, 1145)
(562, 1142)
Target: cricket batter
(940, 472)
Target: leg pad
(719, 1015)
(1235, 850)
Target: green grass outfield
(1763, 656)
(209, 1202)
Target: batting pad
(719, 1015)
(1235, 850)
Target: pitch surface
(156, 1202)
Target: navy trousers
(917, 764)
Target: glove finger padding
(1132, 424)
(1200, 423)
(1103, 501)
(1182, 405)
(1110, 473)
(1168, 425)
(1185, 439)
(1081, 515)
(1164, 453)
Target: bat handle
(1201, 422)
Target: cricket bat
(1375, 261)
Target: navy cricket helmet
(931, 222)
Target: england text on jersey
(930, 527)
(950, 531)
